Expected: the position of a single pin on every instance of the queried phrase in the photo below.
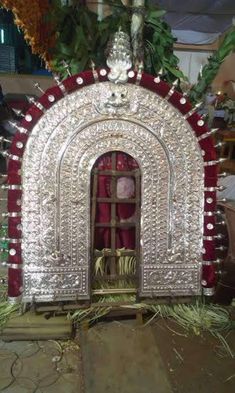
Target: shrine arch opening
(115, 224)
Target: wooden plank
(115, 225)
(137, 227)
(164, 300)
(123, 312)
(113, 290)
(109, 253)
(54, 308)
(195, 48)
(168, 300)
(139, 317)
(30, 326)
(115, 200)
(114, 277)
(93, 211)
(113, 222)
(114, 172)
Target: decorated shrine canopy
(63, 134)
(106, 110)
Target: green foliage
(76, 37)
(209, 71)
(3, 243)
(80, 38)
(126, 264)
(194, 318)
(7, 311)
(91, 314)
(199, 318)
(159, 46)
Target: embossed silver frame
(59, 155)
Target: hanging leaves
(81, 37)
(72, 33)
(159, 43)
(210, 70)
(75, 39)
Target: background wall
(23, 84)
(191, 62)
(225, 79)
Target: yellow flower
(29, 16)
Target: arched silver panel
(59, 155)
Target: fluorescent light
(2, 38)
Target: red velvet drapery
(125, 188)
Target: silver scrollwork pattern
(60, 153)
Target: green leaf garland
(210, 70)
(82, 38)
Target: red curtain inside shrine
(125, 212)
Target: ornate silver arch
(59, 155)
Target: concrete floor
(40, 367)
(110, 358)
(120, 357)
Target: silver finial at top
(119, 58)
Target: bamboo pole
(137, 25)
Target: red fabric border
(208, 276)
(13, 231)
(14, 282)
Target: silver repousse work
(119, 57)
(60, 153)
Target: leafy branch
(80, 38)
(210, 70)
(159, 43)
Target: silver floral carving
(57, 162)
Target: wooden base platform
(30, 326)
(49, 321)
(61, 308)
